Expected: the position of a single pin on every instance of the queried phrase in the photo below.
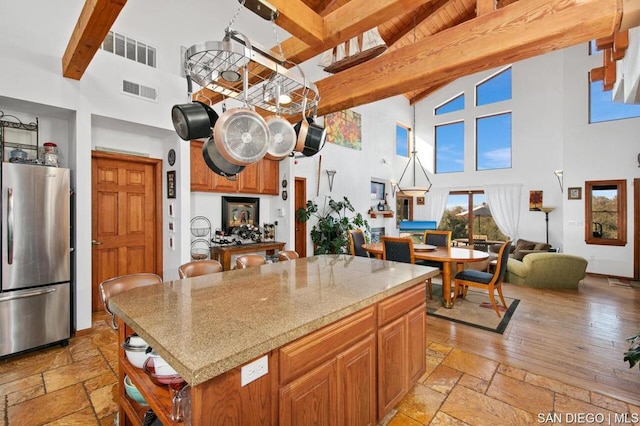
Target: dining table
(451, 257)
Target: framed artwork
(420, 201)
(574, 193)
(377, 188)
(344, 128)
(535, 200)
(171, 184)
(238, 211)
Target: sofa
(522, 248)
(547, 270)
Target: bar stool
(249, 260)
(287, 255)
(117, 285)
(199, 267)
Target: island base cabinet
(338, 392)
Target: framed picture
(344, 128)
(575, 193)
(420, 201)
(171, 184)
(238, 211)
(377, 188)
(535, 200)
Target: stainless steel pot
(218, 163)
(194, 120)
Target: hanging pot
(194, 120)
(282, 140)
(218, 163)
(242, 136)
(315, 140)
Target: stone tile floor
(76, 385)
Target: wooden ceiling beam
(485, 6)
(94, 23)
(299, 20)
(515, 32)
(596, 74)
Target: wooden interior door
(300, 227)
(126, 218)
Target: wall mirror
(606, 212)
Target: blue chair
(356, 240)
(485, 280)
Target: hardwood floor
(561, 354)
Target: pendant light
(414, 186)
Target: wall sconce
(394, 186)
(330, 175)
(559, 174)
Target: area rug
(475, 310)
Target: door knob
(95, 243)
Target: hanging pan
(311, 137)
(218, 163)
(282, 137)
(193, 120)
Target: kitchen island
(343, 336)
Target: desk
(223, 253)
(447, 255)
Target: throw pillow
(522, 245)
(542, 246)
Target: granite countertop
(207, 325)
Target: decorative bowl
(136, 355)
(164, 376)
(133, 392)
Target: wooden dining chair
(199, 267)
(249, 261)
(485, 280)
(356, 240)
(284, 255)
(117, 285)
(401, 250)
(438, 239)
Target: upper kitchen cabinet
(257, 178)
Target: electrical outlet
(254, 370)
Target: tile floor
(76, 385)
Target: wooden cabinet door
(416, 332)
(312, 398)
(357, 383)
(248, 179)
(392, 365)
(200, 173)
(269, 177)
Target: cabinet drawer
(319, 346)
(399, 304)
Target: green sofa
(547, 270)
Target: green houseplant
(633, 354)
(330, 233)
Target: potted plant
(330, 233)
(633, 354)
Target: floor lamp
(546, 211)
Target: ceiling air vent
(136, 89)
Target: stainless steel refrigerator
(35, 295)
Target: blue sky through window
(455, 104)
(493, 142)
(450, 147)
(602, 108)
(495, 89)
(402, 140)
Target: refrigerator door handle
(10, 226)
(24, 294)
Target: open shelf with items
(19, 135)
(381, 213)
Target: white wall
(549, 107)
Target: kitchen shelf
(383, 213)
(8, 143)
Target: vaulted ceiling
(431, 42)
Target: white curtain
(436, 203)
(504, 203)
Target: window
(495, 89)
(602, 108)
(606, 204)
(450, 147)
(402, 140)
(130, 49)
(455, 104)
(468, 215)
(493, 142)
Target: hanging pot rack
(207, 62)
